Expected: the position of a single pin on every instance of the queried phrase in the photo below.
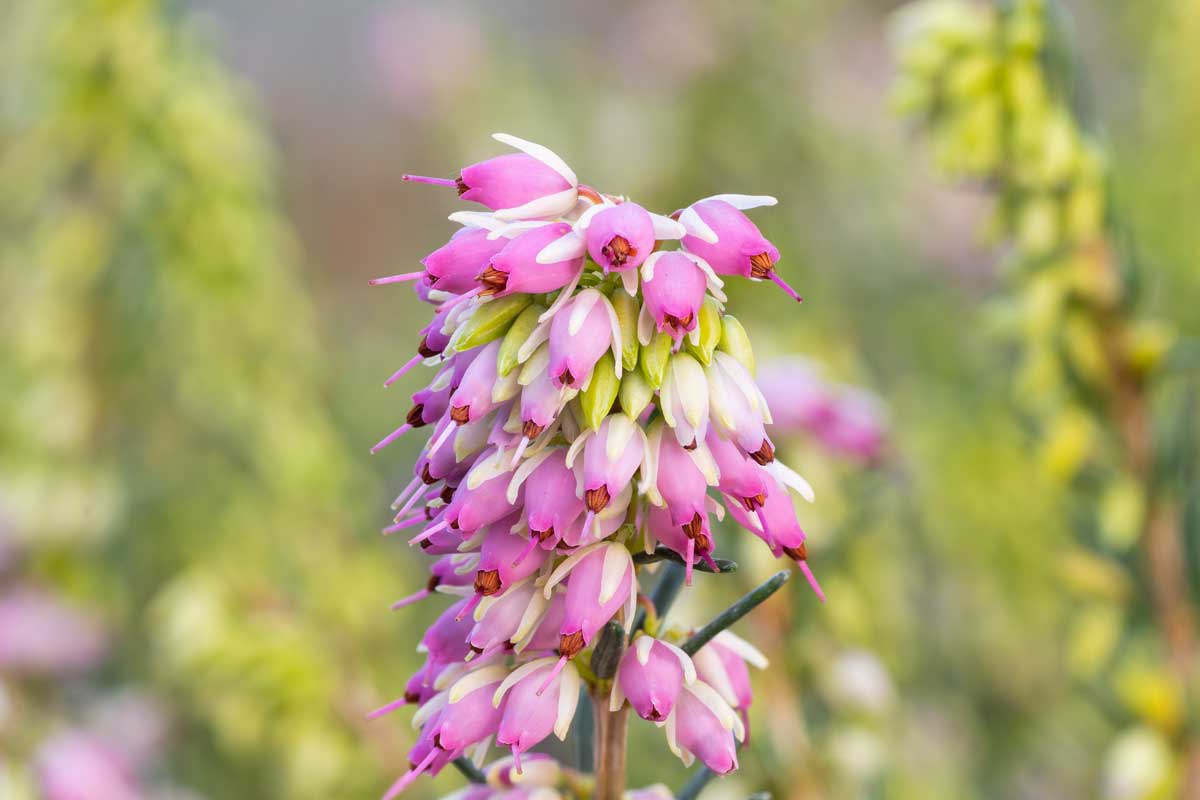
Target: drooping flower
(651, 674)
(724, 237)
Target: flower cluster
(591, 400)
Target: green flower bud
(597, 399)
(735, 342)
(709, 325)
(627, 317)
(635, 393)
(490, 321)
(518, 334)
(654, 357)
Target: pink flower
(650, 677)
(539, 699)
(453, 266)
(703, 726)
(723, 665)
(673, 286)
(550, 502)
(75, 766)
(516, 268)
(620, 237)
(724, 237)
(41, 635)
(579, 335)
(611, 455)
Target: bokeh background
(192, 198)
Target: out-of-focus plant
(997, 92)
(163, 440)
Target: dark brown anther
(461, 186)
(692, 445)
(764, 455)
(487, 581)
(461, 414)
(679, 322)
(703, 543)
(694, 527)
(761, 266)
(531, 430)
(544, 535)
(430, 512)
(493, 280)
(424, 351)
(566, 379)
(596, 499)
(454, 525)
(447, 493)
(799, 553)
(476, 650)
(618, 251)
(426, 544)
(570, 643)
(427, 476)
(590, 194)
(411, 697)
(434, 582)
(414, 417)
(753, 503)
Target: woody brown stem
(610, 733)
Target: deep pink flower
(673, 287)
(620, 237)
(650, 676)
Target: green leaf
(490, 321)
(598, 398)
(523, 325)
(627, 317)
(654, 358)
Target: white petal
(696, 226)
(476, 680)
(746, 651)
(629, 282)
(532, 349)
(616, 564)
(532, 616)
(641, 649)
(541, 153)
(563, 569)
(477, 219)
(568, 699)
(615, 326)
(510, 230)
(786, 476)
(581, 308)
(518, 674)
(621, 430)
(550, 205)
(428, 709)
(564, 295)
(648, 265)
(585, 219)
(645, 326)
(716, 704)
(709, 662)
(616, 698)
(685, 661)
(667, 228)
(566, 247)
(702, 457)
(744, 202)
(577, 446)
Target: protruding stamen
(412, 487)
(429, 533)
(812, 580)
(432, 181)
(792, 293)
(516, 751)
(407, 778)
(525, 553)
(401, 524)
(765, 454)
(618, 251)
(387, 709)
(441, 440)
(520, 451)
(391, 437)
(400, 373)
(689, 557)
(469, 607)
(412, 598)
(401, 278)
(558, 667)
(597, 498)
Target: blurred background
(193, 589)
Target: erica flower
(588, 398)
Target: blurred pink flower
(42, 635)
(424, 55)
(77, 766)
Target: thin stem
(610, 733)
(467, 767)
(735, 612)
(695, 785)
(585, 721)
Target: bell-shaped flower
(505, 620)
(596, 525)
(620, 236)
(739, 477)
(650, 676)
(445, 641)
(581, 331)
(724, 237)
(724, 664)
(600, 581)
(470, 716)
(611, 455)
(550, 502)
(528, 185)
(446, 571)
(684, 399)
(673, 286)
(504, 559)
(702, 725)
(516, 268)
(693, 542)
(453, 266)
(737, 408)
(475, 395)
(539, 698)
